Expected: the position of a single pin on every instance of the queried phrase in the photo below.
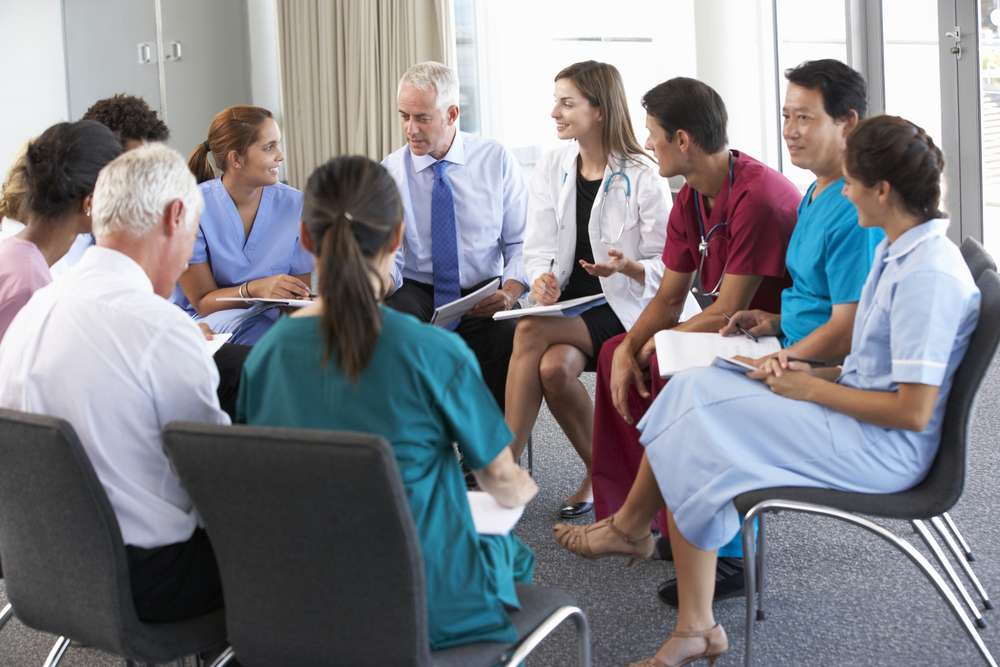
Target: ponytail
(199, 165)
(351, 211)
(351, 319)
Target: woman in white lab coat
(597, 217)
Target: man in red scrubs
(726, 240)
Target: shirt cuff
(918, 371)
(653, 269)
(515, 271)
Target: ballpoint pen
(552, 263)
(739, 327)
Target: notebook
(678, 351)
(448, 313)
(490, 517)
(570, 308)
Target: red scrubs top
(752, 222)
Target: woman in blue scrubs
(248, 240)
(873, 426)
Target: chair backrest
(976, 257)
(315, 542)
(64, 562)
(946, 478)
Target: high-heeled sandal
(577, 540)
(716, 643)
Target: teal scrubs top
(422, 391)
(828, 258)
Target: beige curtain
(340, 64)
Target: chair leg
(57, 652)
(749, 580)
(942, 559)
(761, 548)
(908, 549)
(942, 529)
(966, 549)
(531, 456)
(5, 614)
(545, 628)
(224, 657)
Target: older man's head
(147, 205)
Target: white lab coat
(551, 227)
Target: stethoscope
(628, 204)
(698, 289)
(606, 187)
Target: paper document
(217, 341)
(570, 308)
(734, 365)
(490, 517)
(678, 351)
(453, 311)
(291, 303)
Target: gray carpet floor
(836, 596)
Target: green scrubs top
(422, 391)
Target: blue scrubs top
(271, 248)
(421, 391)
(828, 258)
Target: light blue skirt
(713, 434)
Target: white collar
(121, 265)
(913, 237)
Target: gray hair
(135, 188)
(431, 75)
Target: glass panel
(910, 31)
(989, 51)
(468, 65)
(807, 30)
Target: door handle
(175, 51)
(145, 52)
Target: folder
(570, 308)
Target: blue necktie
(444, 241)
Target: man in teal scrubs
(829, 254)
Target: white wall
(33, 64)
(738, 62)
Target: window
(989, 56)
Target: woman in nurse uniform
(248, 241)
(597, 217)
(872, 426)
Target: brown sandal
(716, 643)
(577, 540)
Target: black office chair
(319, 555)
(64, 562)
(931, 498)
(8, 609)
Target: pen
(739, 327)
(817, 363)
(552, 263)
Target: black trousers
(229, 360)
(491, 341)
(176, 581)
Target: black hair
(842, 88)
(62, 164)
(129, 117)
(690, 105)
(892, 149)
(352, 208)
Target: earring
(86, 211)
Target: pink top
(22, 271)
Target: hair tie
(207, 149)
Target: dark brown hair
(129, 117)
(352, 207)
(601, 85)
(62, 164)
(688, 104)
(892, 149)
(232, 129)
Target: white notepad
(490, 517)
(453, 311)
(568, 308)
(218, 340)
(678, 351)
(291, 303)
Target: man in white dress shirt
(465, 205)
(103, 349)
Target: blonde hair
(14, 190)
